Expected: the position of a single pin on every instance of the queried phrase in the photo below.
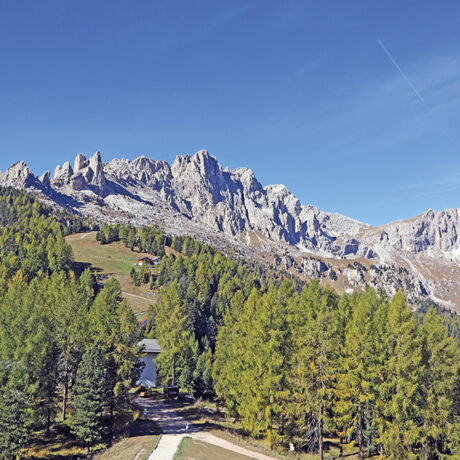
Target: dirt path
(174, 428)
(138, 296)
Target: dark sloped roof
(149, 346)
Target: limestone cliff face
(196, 196)
(86, 174)
(234, 202)
(432, 233)
(18, 176)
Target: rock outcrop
(86, 174)
(18, 176)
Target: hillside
(112, 260)
(231, 210)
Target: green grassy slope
(111, 260)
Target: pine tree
(229, 365)
(441, 367)
(68, 303)
(399, 391)
(203, 385)
(89, 392)
(357, 376)
(248, 358)
(314, 363)
(173, 333)
(276, 349)
(15, 409)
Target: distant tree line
(17, 205)
(151, 239)
(449, 318)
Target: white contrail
(413, 88)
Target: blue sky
(301, 92)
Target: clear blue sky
(301, 92)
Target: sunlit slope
(111, 260)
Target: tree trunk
(174, 372)
(48, 420)
(66, 389)
(361, 437)
(320, 433)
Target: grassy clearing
(59, 446)
(135, 434)
(112, 260)
(191, 449)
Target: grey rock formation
(86, 175)
(80, 162)
(45, 180)
(18, 176)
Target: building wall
(149, 374)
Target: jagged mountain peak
(80, 162)
(248, 180)
(18, 175)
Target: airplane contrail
(413, 88)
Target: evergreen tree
(276, 349)
(114, 324)
(399, 405)
(15, 409)
(89, 392)
(203, 385)
(357, 376)
(173, 333)
(441, 367)
(314, 364)
(229, 365)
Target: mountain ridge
(197, 196)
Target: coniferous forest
(294, 362)
(297, 362)
(61, 338)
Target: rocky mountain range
(232, 210)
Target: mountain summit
(231, 209)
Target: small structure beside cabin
(148, 377)
(149, 261)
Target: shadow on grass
(80, 267)
(62, 445)
(54, 447)
(143, 428)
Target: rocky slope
(231, 209)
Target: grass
(191, 449)
(132, 433)
(112, 260)
(143, 438)
(59, 446)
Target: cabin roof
(149, 260)
(149, 346)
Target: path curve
(174, 428)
